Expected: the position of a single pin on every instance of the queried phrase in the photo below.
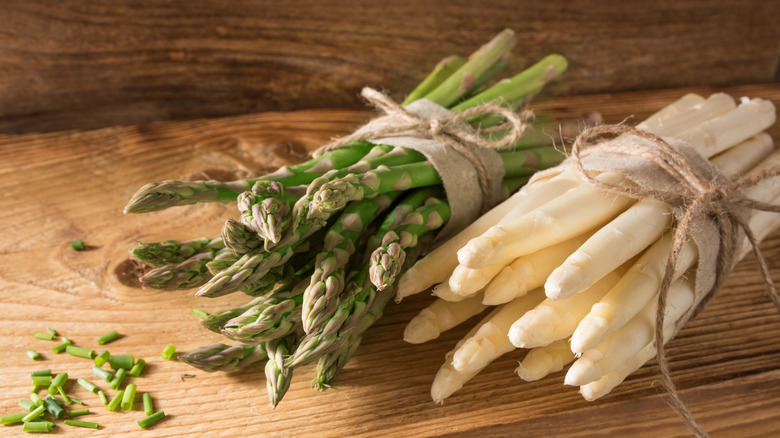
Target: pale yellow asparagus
(529, 272)
(441, 316)
(443, 291)
(466, 281)
(641, 282)
(553, 320)
(631, 338)
(714, 106)
(637, 228)
(548, 359)
(659, 118)
(491, 338)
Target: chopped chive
(118, 378)
(89, 386)
(35, 413)
(148, 406)
(78, 412)
(157, 416)
(6, 420)
(117, 361)
(45, 336)
(77, 245)
(38, 426)
(46, 372)
(76, 401)
(128, 400)
(61, 347)
(25, 404)
(114, 403)
(34, 355)
(108, 337)
(82, 424)
(80, 352)
(64, 396)
(51, 331)
(102, 358)
(103, 398)
(59, 380)
(53, 408)
(201, 313)
(35, 399)
(103, 374)
(136, 370)
(41, 380)
(168, 352)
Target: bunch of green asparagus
(319, 245)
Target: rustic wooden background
(68, 64)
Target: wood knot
(129, 273)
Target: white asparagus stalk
(443, 291)
(714, 106)
(441, 316)
(528, 272)
(637, 228)
(631, 338)
(553, 320)
(491, 340)
(659, 118)
(545, 360)
(639, 285)
(466, 281)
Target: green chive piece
(102, 358)
(168, 352)
(148, 404)
(6, 420)
(80, 352)
(46, 372)
(61, 347)
(103, 398)
(65, 397)
(51, 331)
(35, 399)
(118, 378)
(86, 384)
(34, 355)
(78, 412)
(38, 426)
(77, 245)
(118, 361)
(151, 419)
(114, 403)
(35, 413)
(103, 374)
(136, 370)
(108, 337)
(76, 401)
(129, 398)
(201, 313)
(25, 404)
(45, 336)
(59, 380)
(82, 424)
(41, 380)
(53, 408)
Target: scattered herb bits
(138, 368)
(78, 245)
(108, 337)
(38, 426)
(44, 336)
(80, 352)
(53, 408)
(103, 374)
(86, 384)
(151, 419)
(148, 404)
(41, 380)
(58, 381)
(78, 412)
(199, 312)
(128, 400)
(114, 403)
(119, 361)
(34, 355)
(78, 423)
(102, 358)
(9, 419)
(103, 398)
(169, 352)
(61, 347)
(26, 404)
(35, 413)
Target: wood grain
(68, 64)
(69, 185)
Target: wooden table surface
(70, 185)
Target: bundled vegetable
(602, 259)
(320, 245)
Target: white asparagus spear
(659, 118)
(631, 338)
(528, 272)
(541, 361)
(552, 320)
(639, 285)
(491, 340)
(466, 281)
(637, 228)
(441, 316)
(714, 106)
(443, 291)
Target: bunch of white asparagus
(574, 273)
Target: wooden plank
(72, 185)
(94, 63)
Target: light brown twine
(718, 199)
(453, 131)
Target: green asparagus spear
(172, 251)
(277, 374)
(221, 357)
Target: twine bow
(719, 199)
(453, 131)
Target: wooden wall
(93, 63)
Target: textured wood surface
(70, 185)
(94, 63)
